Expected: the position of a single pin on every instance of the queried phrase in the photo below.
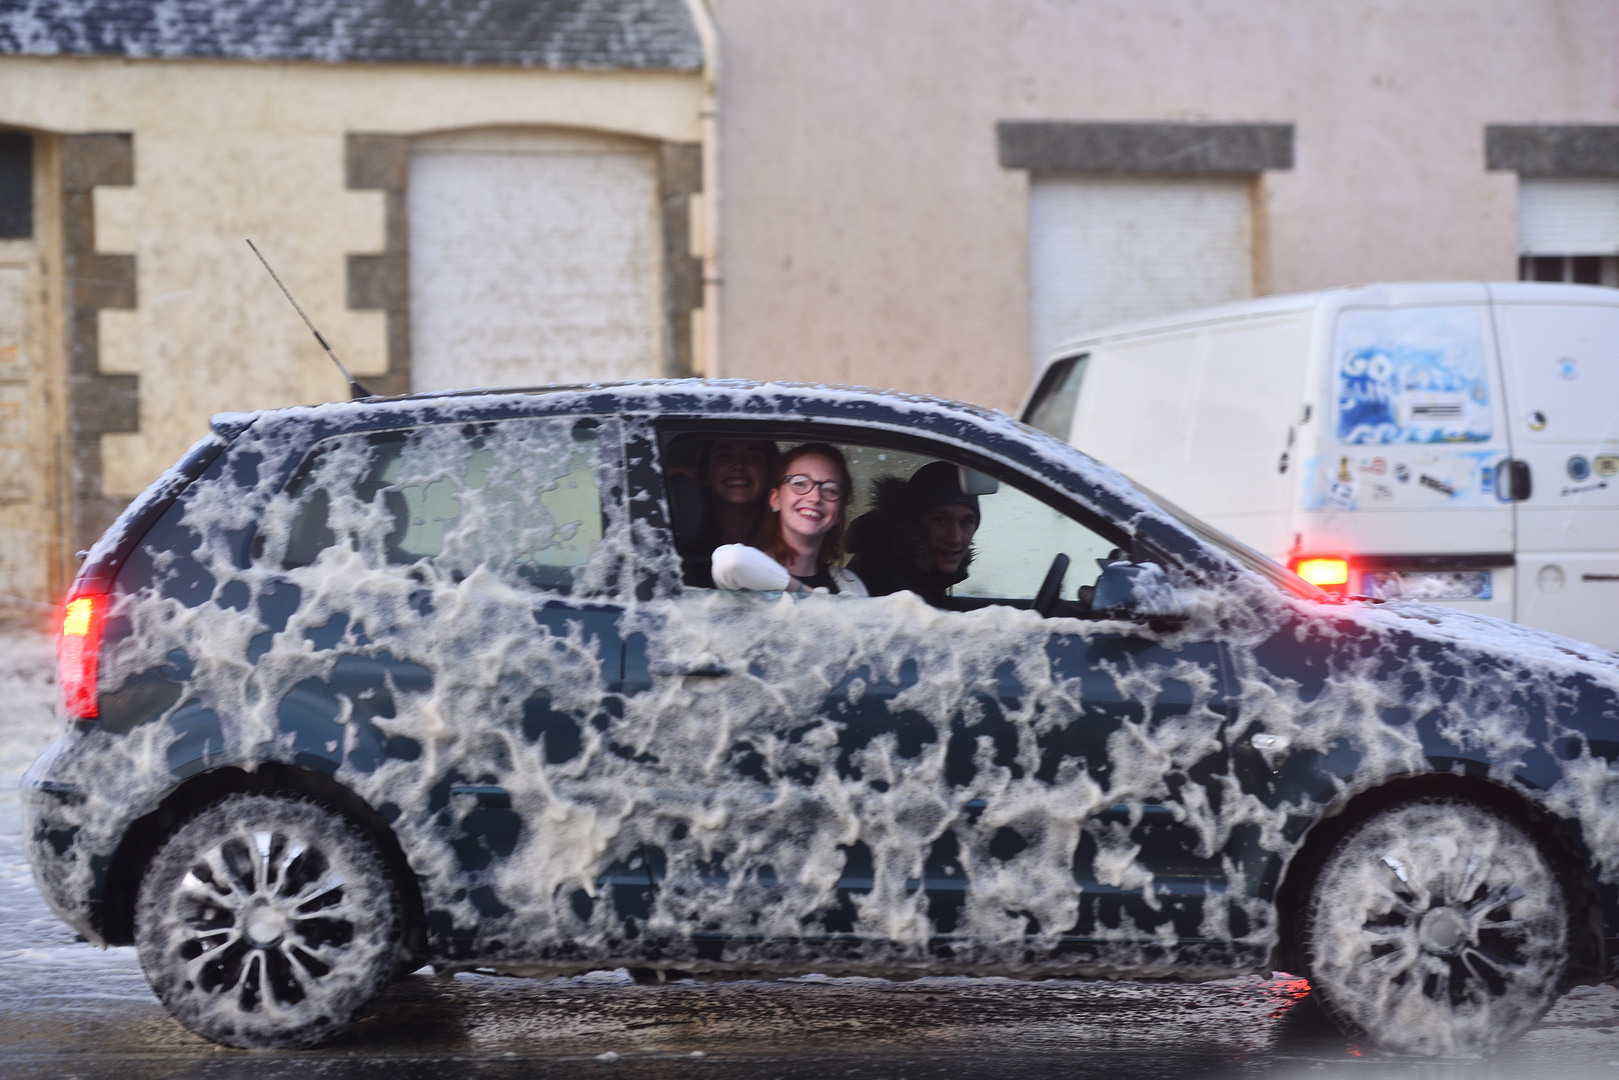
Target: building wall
(223, 151)
(33, 444)
(871, 235)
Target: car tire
(267, 920)
(1436, 927)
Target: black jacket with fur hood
(891, 554)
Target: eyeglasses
(831, 490)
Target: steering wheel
(1045, 601)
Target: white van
(1449, 442)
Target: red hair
(770, 539)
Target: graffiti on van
(1411, 375)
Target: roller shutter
(1568, 217)
(1106, 250)
(534, 258)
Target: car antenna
(356, 388)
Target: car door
(457, 589)
(1129, 723)
(868, 781)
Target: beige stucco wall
(230, 150)
(33, 552)
(870, 235)
(31, 447)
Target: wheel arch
(1570, 861)
(116, 915)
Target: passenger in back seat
(733, 475)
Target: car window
(868, 464)
(1018, 538)
(521, 499)
(1018, 535)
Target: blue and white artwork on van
(1411, 375)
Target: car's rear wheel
(1436, 927)
(267, 920)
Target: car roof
(657, 395)
(961, 424)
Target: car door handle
(1513, 482)
(694, 670)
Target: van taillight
(78, 652)
(1330, 573)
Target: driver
(919, 536)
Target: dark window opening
(1574, 269)
(1052, 407)
(16, 185)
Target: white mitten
(738, 566)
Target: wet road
(67, 1009)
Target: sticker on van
(1411, 375)
(1426, 478)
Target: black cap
(937, 483)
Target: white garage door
(534, 258)
(1105, 250)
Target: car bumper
(69, 835)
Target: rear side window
(522, 499)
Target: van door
(1403, 479)
(1562, 378)
(1241, 441)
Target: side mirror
(1136, 589)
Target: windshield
(1247, 556)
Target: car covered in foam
(359, 687)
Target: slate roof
(651, 34)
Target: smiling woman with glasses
(804, 532)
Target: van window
(1411, 375)
(521, 499)
(1052, 410)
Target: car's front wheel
(268, 920)
(1436, 927)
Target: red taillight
(77, 652)
(1330, 573)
